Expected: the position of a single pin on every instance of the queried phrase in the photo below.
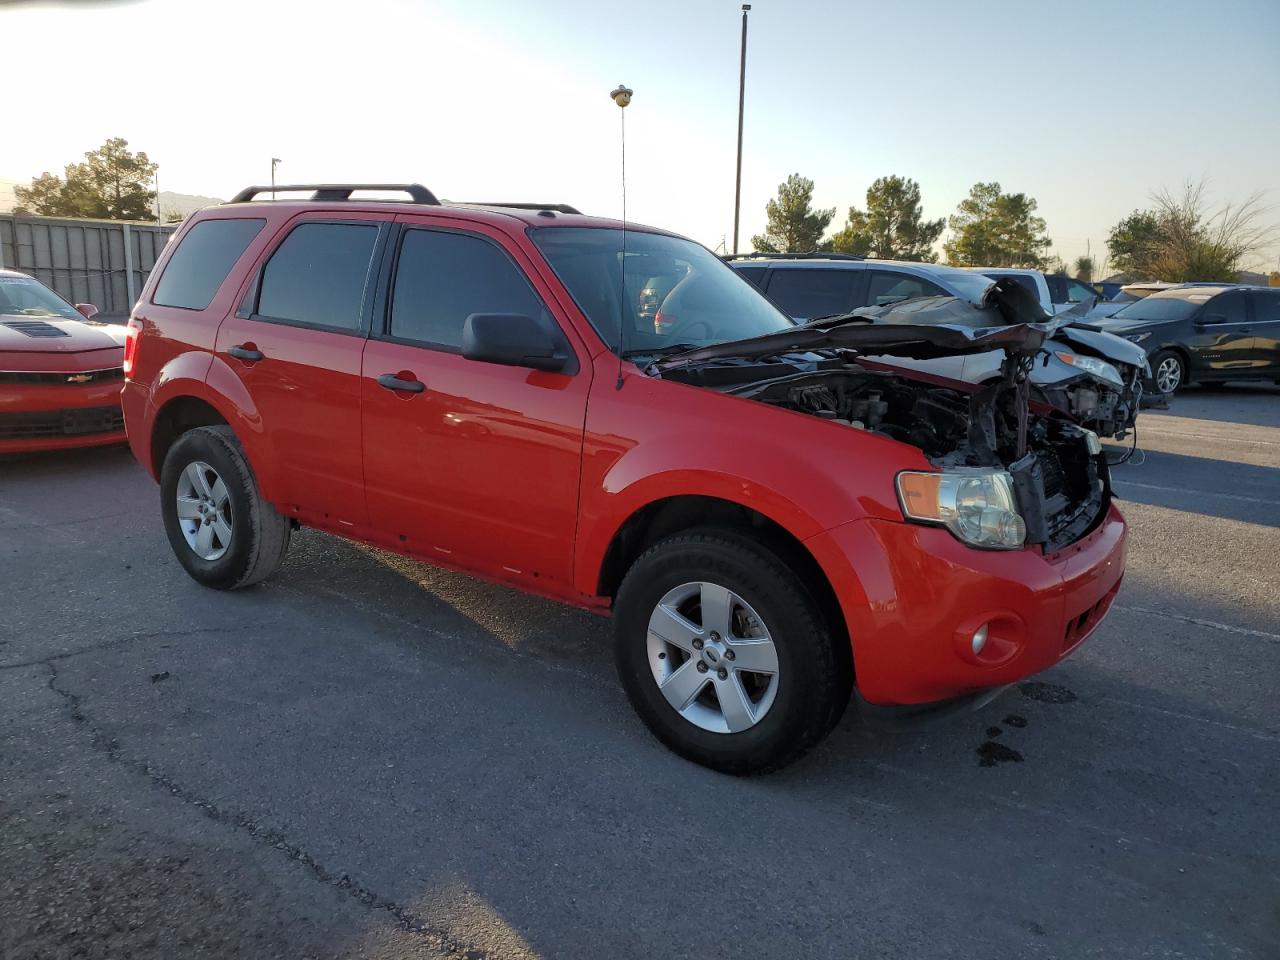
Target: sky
(1088, 107)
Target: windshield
(22, 296)
(971, 286)
(673, 294)
(1158, 308)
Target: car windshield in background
(673, 294)
(971, 286)
(23, 297)
(1157, 308)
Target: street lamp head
(622, 95)
(746, 7)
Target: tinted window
(808, 294)
(1078, 292)
(442, 278)
(887, 288)
(202, 261)
(1226, 308)
(754, 274)
(1266, 306)
(317, 276)
(1156, 308)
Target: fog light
(979, 639)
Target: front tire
(725, 654)
(222, 531)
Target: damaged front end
(1006, 474)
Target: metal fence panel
(84, 260)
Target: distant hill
(184, 203)
(179, 204)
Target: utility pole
(742, 90)
(159, 222)
(274, 161)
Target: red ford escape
(776, 524)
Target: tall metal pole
(274, 161)
(742, 90)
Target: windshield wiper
(663, 351)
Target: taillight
(131, 344)
(662, 322)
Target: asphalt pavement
(366, 757)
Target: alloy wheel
(1169, 375)
(204, 510)
(712, 657)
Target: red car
(773, 522)
(60, 374)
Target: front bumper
(913, 596)
(60, 417)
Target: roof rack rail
(340, 191)
(810, 255)
(557, 207)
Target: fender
(203, 376)
(804, 474)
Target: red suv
(773, 521)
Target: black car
(1204, 334)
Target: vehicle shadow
(1246, 402)
(1202, 485)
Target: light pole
(742, 90)
(274, 161)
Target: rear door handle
(408, 383)
(242, 352)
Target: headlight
(1099, 368)
(975, 503)
(1137, 337)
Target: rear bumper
(913, 596)
(60, 417)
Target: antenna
(622, 96)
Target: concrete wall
(103, 262)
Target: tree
(111, 184)
(1084, 269)
(1131, 240)
(994, 229)
(892, 227)
(794, 226)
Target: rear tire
(225, 535)
(734, 718)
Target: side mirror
(514, 340)
(87, 310)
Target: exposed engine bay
(1059, 473)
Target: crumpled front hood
(1105, 344)
(925, 328)
(27, 334)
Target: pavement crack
(117, 642)
(435, 936)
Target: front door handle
(403, 381)
(242, 351)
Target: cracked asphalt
(366, 757)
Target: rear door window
(754, 274)
(1266, 306)
(888, 288)
(806, 294)
(442, 278)
(202, 261)
(319, 275)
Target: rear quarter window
(203, 259)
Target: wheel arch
(665, 517)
